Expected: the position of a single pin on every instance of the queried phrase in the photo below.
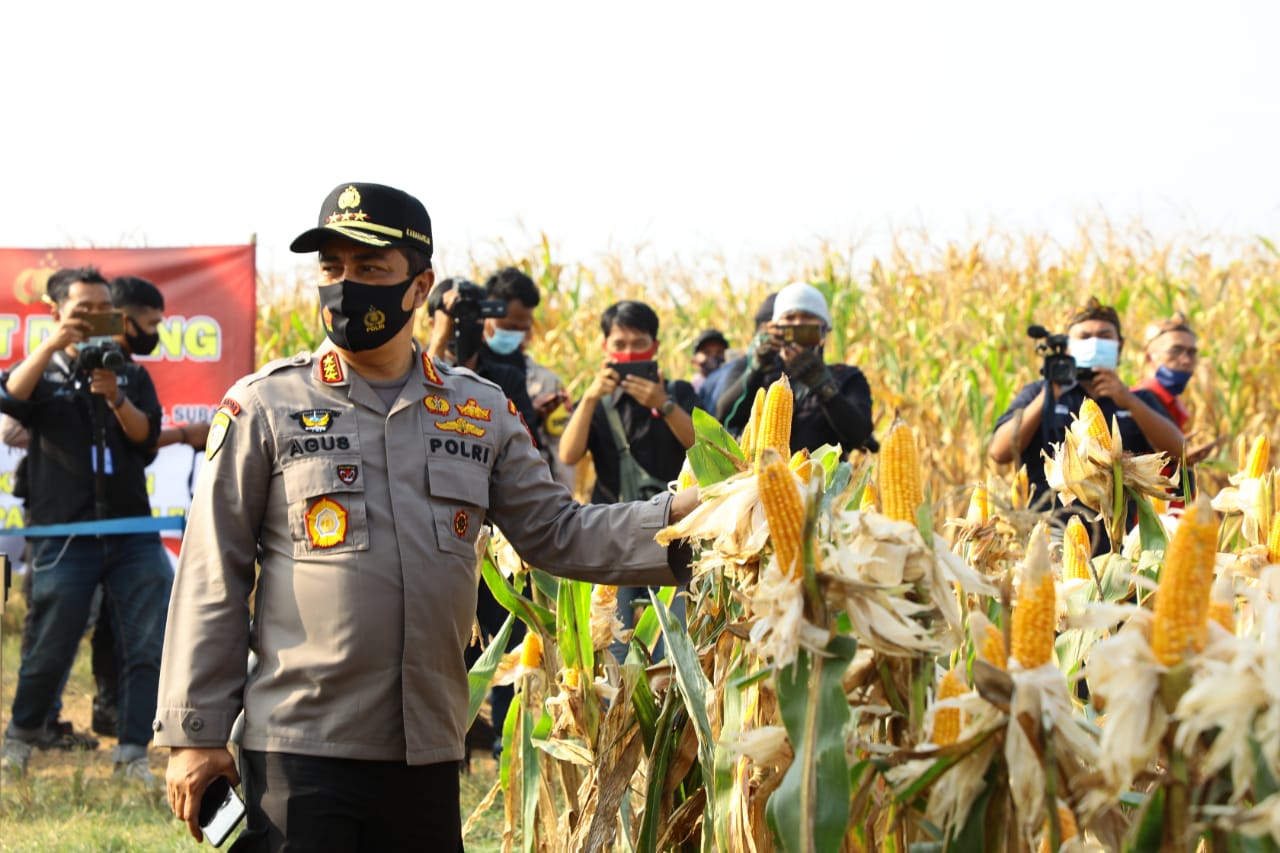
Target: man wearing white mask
(1094, 341)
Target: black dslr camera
(471, 307)
(1058, 368)
(99, 353)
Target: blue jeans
(134, 572)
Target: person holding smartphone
(832, 401)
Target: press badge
(107, 468)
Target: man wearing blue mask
(1094, 341)
(504, 343)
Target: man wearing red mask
(653, 417)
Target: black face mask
(360, 316)
(141, 343)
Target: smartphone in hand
(220, 810)
(643, 369)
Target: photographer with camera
(93, 419)
(1082, 363)
(832, 401)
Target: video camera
(1059, 367)
(471, 307)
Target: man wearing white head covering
(833, 401)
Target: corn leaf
(1150, 530)
(481, 674)
(647, 628)
(694, 687)
(533, 615)
(714, 450)
(810, 809)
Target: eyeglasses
(1180, 351)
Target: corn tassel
(784, 511)
(751, 431)
(1259, 458)
(1091, 414)
(1076, 550)
(988, 641)
(775, 419)
(900, 489)
(868, 502)
(1035, 616)
(946, 721)
(1182, 596)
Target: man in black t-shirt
(93, 431)
(625, 419)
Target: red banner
(206, 338)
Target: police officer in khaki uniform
(358, 477)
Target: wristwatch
(668, 407)
(119, 401)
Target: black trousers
(297, 803)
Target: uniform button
(196, 724)
(156, 725)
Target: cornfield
(887, 653)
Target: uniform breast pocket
(326, 505)
(459, 499)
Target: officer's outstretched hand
(684, 502)
(189, 772)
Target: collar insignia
(511, 407)
(472, 409)
(429, 371)
(330, 368)
(348, 474)
(436, 404)
(326, 523)
(461, 426)
(315, 420)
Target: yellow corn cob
(570, 678)
(775, 421)
(868, 503)
(899, 482)
(1222, 606)
(1035, 616)
(784, 510)
(979, 505)
(752, 430)
(946, 721)
(1259, 458)
(1224, 613)
(1242, 452)
(801, 464)
(1066, 823)
(1273, 540)
(1182, 596)
(1160, 506)
(1098, 429)
(531, 651)
(1020, 489)
(685, 478)
(1076, 551)
(988, 640)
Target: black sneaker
(105, 720)
(63, 735)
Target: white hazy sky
(692, 128)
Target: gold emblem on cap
(374, 320)
(350, 198)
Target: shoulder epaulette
(302, 359)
